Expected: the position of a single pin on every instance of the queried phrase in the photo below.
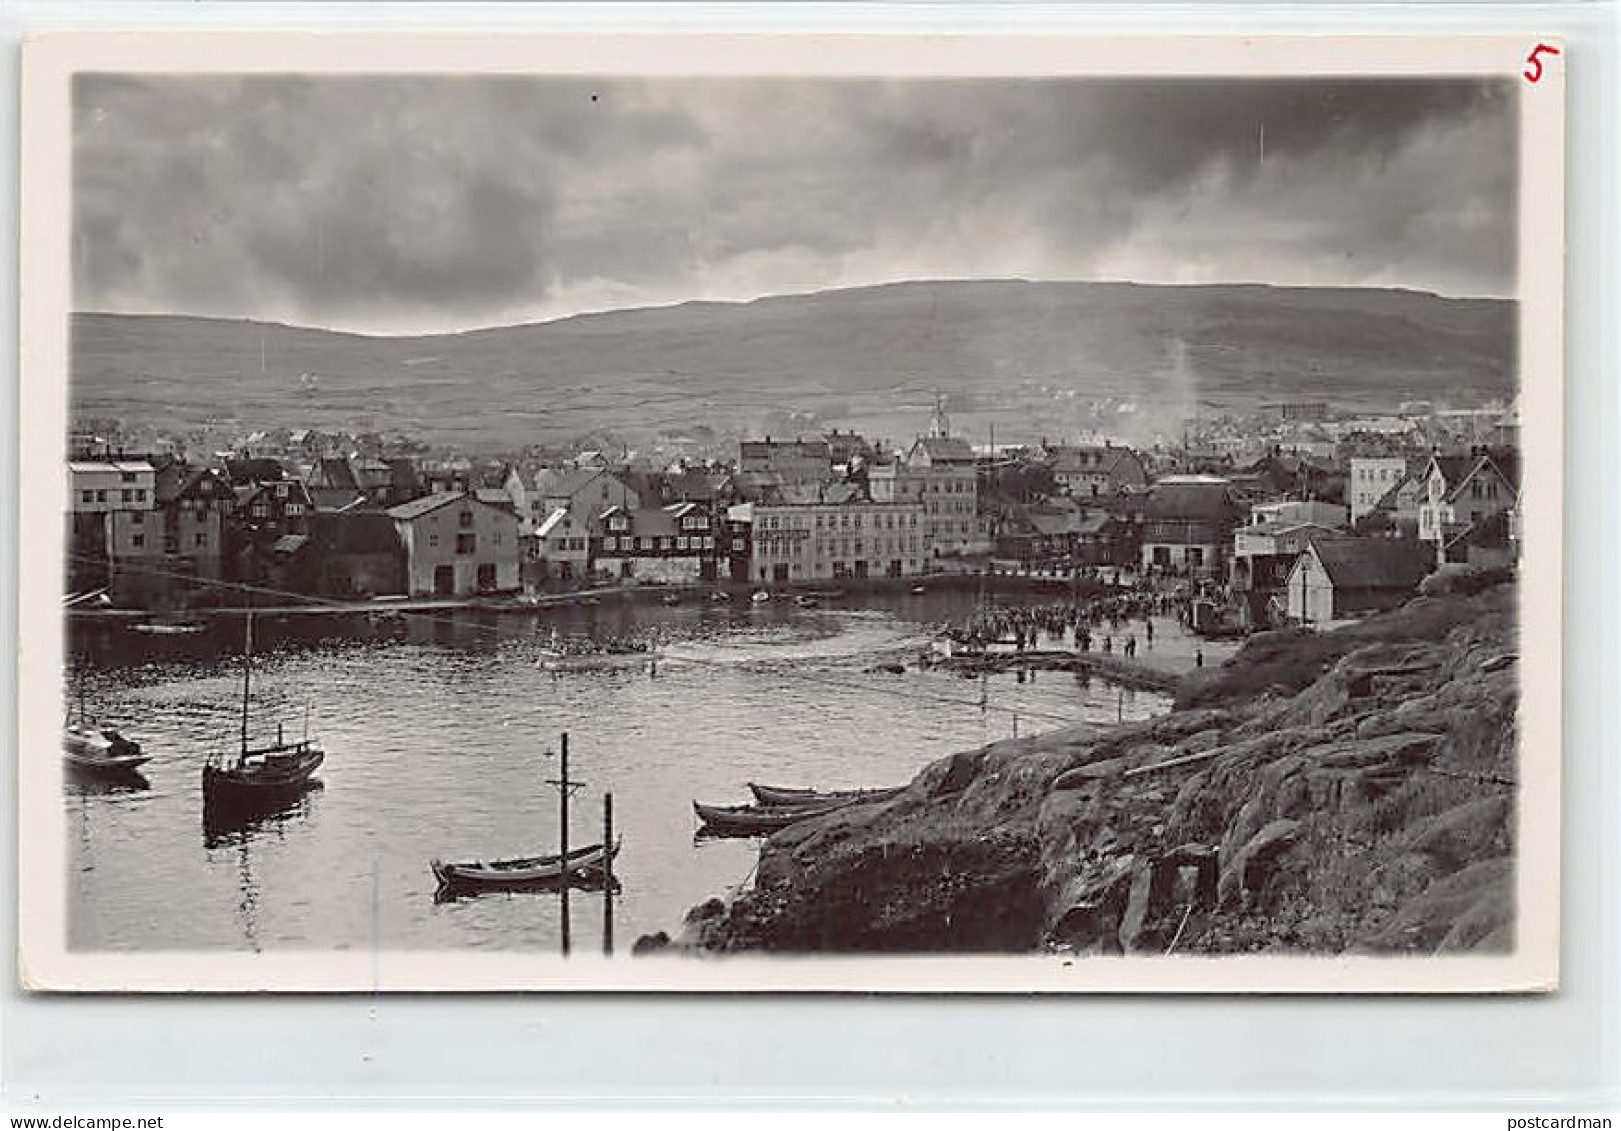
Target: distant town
(1295, 513)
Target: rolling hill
(1027, 357)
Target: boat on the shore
(753, 820)
(773, 796)
(257, 780)
(588, 863)
(760, 596)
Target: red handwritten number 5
(1533, 61)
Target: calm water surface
(438, 742)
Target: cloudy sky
(413, 204)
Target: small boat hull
(100, 752)
(750, 820)
(773, 796)
(588, 863)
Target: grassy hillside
(1024, 356)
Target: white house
(456, 545)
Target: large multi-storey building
(836, 533)
(114, 536)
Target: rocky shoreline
(1344, 792)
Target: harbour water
(441, 732)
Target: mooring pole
(608, 873)
(563, 878)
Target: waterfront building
(114, 536)
(835, 533)
(1345, 577)
(675, 544)
(456, 545)
(1188, 524)
(354, 553)
(194, 506)
(560, 549)
(940, 471)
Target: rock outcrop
(1350, 791)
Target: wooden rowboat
(779, 795)
(752, 820)
(526, 872)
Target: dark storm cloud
(399, 203)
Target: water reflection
(434, 730)
(80, 782)
(227, 826)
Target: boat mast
(247, 673)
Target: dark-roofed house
(672, 545)
(355, 553)
(1334, 579)
(1089, 471)
(193, 504)
(1188, 524)
(1461, 492)
(796, 461)
(456, 545)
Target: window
(295, 509)
(128, 495)
(90, 497)
(138, 541)
(433, 540)
(127, 477)
(466, 543)
(140, 494)
(137, 519)
(466, 519)
(101, 496)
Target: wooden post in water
(608, 874)
(563, 878)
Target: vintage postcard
(690, 512)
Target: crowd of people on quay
(1111, 623)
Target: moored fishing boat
(752, 820)
(773, 796)
(587, 863)
(260, 779)
(100, 750)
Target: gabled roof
(1089, 459)
(571, 483)
(1373, 563)
(945, 449)
(416, 508)
(240, 471)
(494, 496)
(1191, 497)
(335, 472)
(335, 498)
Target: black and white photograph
(724, 515)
